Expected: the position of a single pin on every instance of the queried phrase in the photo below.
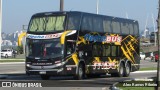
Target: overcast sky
(18, 12)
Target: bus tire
(45, 77)
(120, 71)
(127, 70)
(81, 72)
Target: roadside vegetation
(148, 68)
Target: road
(147, 63)
(13, 68)
(16, 71)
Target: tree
(20, 49)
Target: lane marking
(12, 59)
(13, 63)
(13, 72)
(149, 71)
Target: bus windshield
(47, 24)
(50, 48)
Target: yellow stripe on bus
(63, 36)
(20, 38)
(125, 53)
(75, 58)
(97, 59)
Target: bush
(20, 49)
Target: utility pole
(1, 76)
(97, 7)
(0, 23)
(155, 35)
(158, 66)
(61, 5)
(24, 29)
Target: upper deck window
(47, 24)
(74, 21)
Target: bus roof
(79, 12)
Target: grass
(148, 68)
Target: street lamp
(155, 35)
(1, 76)
(0, 23)
(61, 5)
(158, 66)
(97, 6)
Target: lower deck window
(106, 50)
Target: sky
(16, 13)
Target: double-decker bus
(81, 44)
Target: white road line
(13, 72)
(153, 71)
(149, 71)
(12, 59)
(12, 63)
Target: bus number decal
(104, 65)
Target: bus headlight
(80, 54)
(28, 65)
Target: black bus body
(81, 44)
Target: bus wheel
(120, 71)
(127, 70)
(45, 77)
(81, 72)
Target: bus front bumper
(45, 72)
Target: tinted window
(124, 28)
(115, 27)
(106, 50)
(135, 29)
(97, 24)
(87, 23)
(111, 50)
(114, 51)
(74, 21)
(131, 28)
(97, 50)
(51, 23)
(107, 25)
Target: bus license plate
(42, 72)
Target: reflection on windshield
(44, 48)
(51, 23)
